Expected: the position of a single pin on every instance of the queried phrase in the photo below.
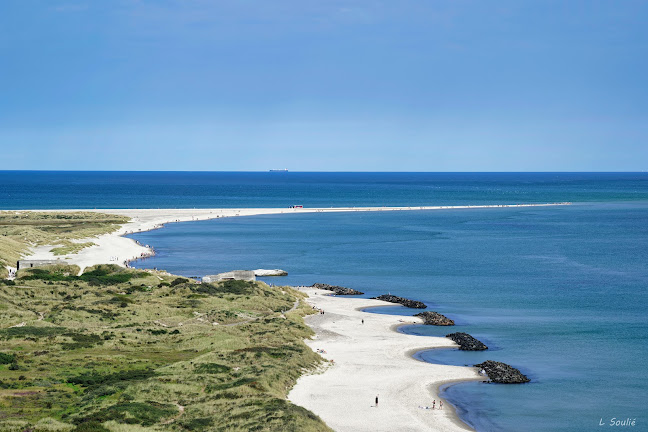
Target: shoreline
(439, 388)
(114, 248)
(382, 361)
(373, 358)
(406, 385)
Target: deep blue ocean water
(78, 189)
(559, 292)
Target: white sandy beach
(374, 359)
(113, 248)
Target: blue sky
(335, 85)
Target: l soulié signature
(618, 422)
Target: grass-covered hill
(123, 350)
(20, 230)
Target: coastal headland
(114, 248)
(366, 360)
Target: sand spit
(115, 249)
(369, 359)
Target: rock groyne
(467, 342)
(435, 318)
(401, 300)
(502, 373)
(338, 290)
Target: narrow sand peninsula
(373, 359)
(115, 249)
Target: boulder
(273, 272)
(467, 342)
(502, 373)
(401, 300)
(435, 318)
(338, 290)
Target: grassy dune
(20, 230)
(122, 350)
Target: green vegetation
(21, 230)
(121, 350)
(103, 274)
(7, 358)
(144, 413)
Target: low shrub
(144, 413)
(90, 426)
(137, 288)
(228, 385)
(157, 332)
(211, 368)
(81, 341)
(121, 298)
(93, 378)
(198, 424)
(237, 287)
(178, 281)
(103, 274)
(7, 358)
(30, 331)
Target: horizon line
(327, 172)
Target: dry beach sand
(374, 359)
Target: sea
(560, 293)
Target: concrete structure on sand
(23, 264)
(246, 275)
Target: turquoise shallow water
(559, 292)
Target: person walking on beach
(376, 401)
(440, 404)
(363, 321)
(433, 403)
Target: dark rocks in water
(435, 318)
(467, 342)
(401, 300)
(502, 373)
(338, 290)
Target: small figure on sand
(363, 321)
(440, 404)
(376, 401)
(433, 403)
